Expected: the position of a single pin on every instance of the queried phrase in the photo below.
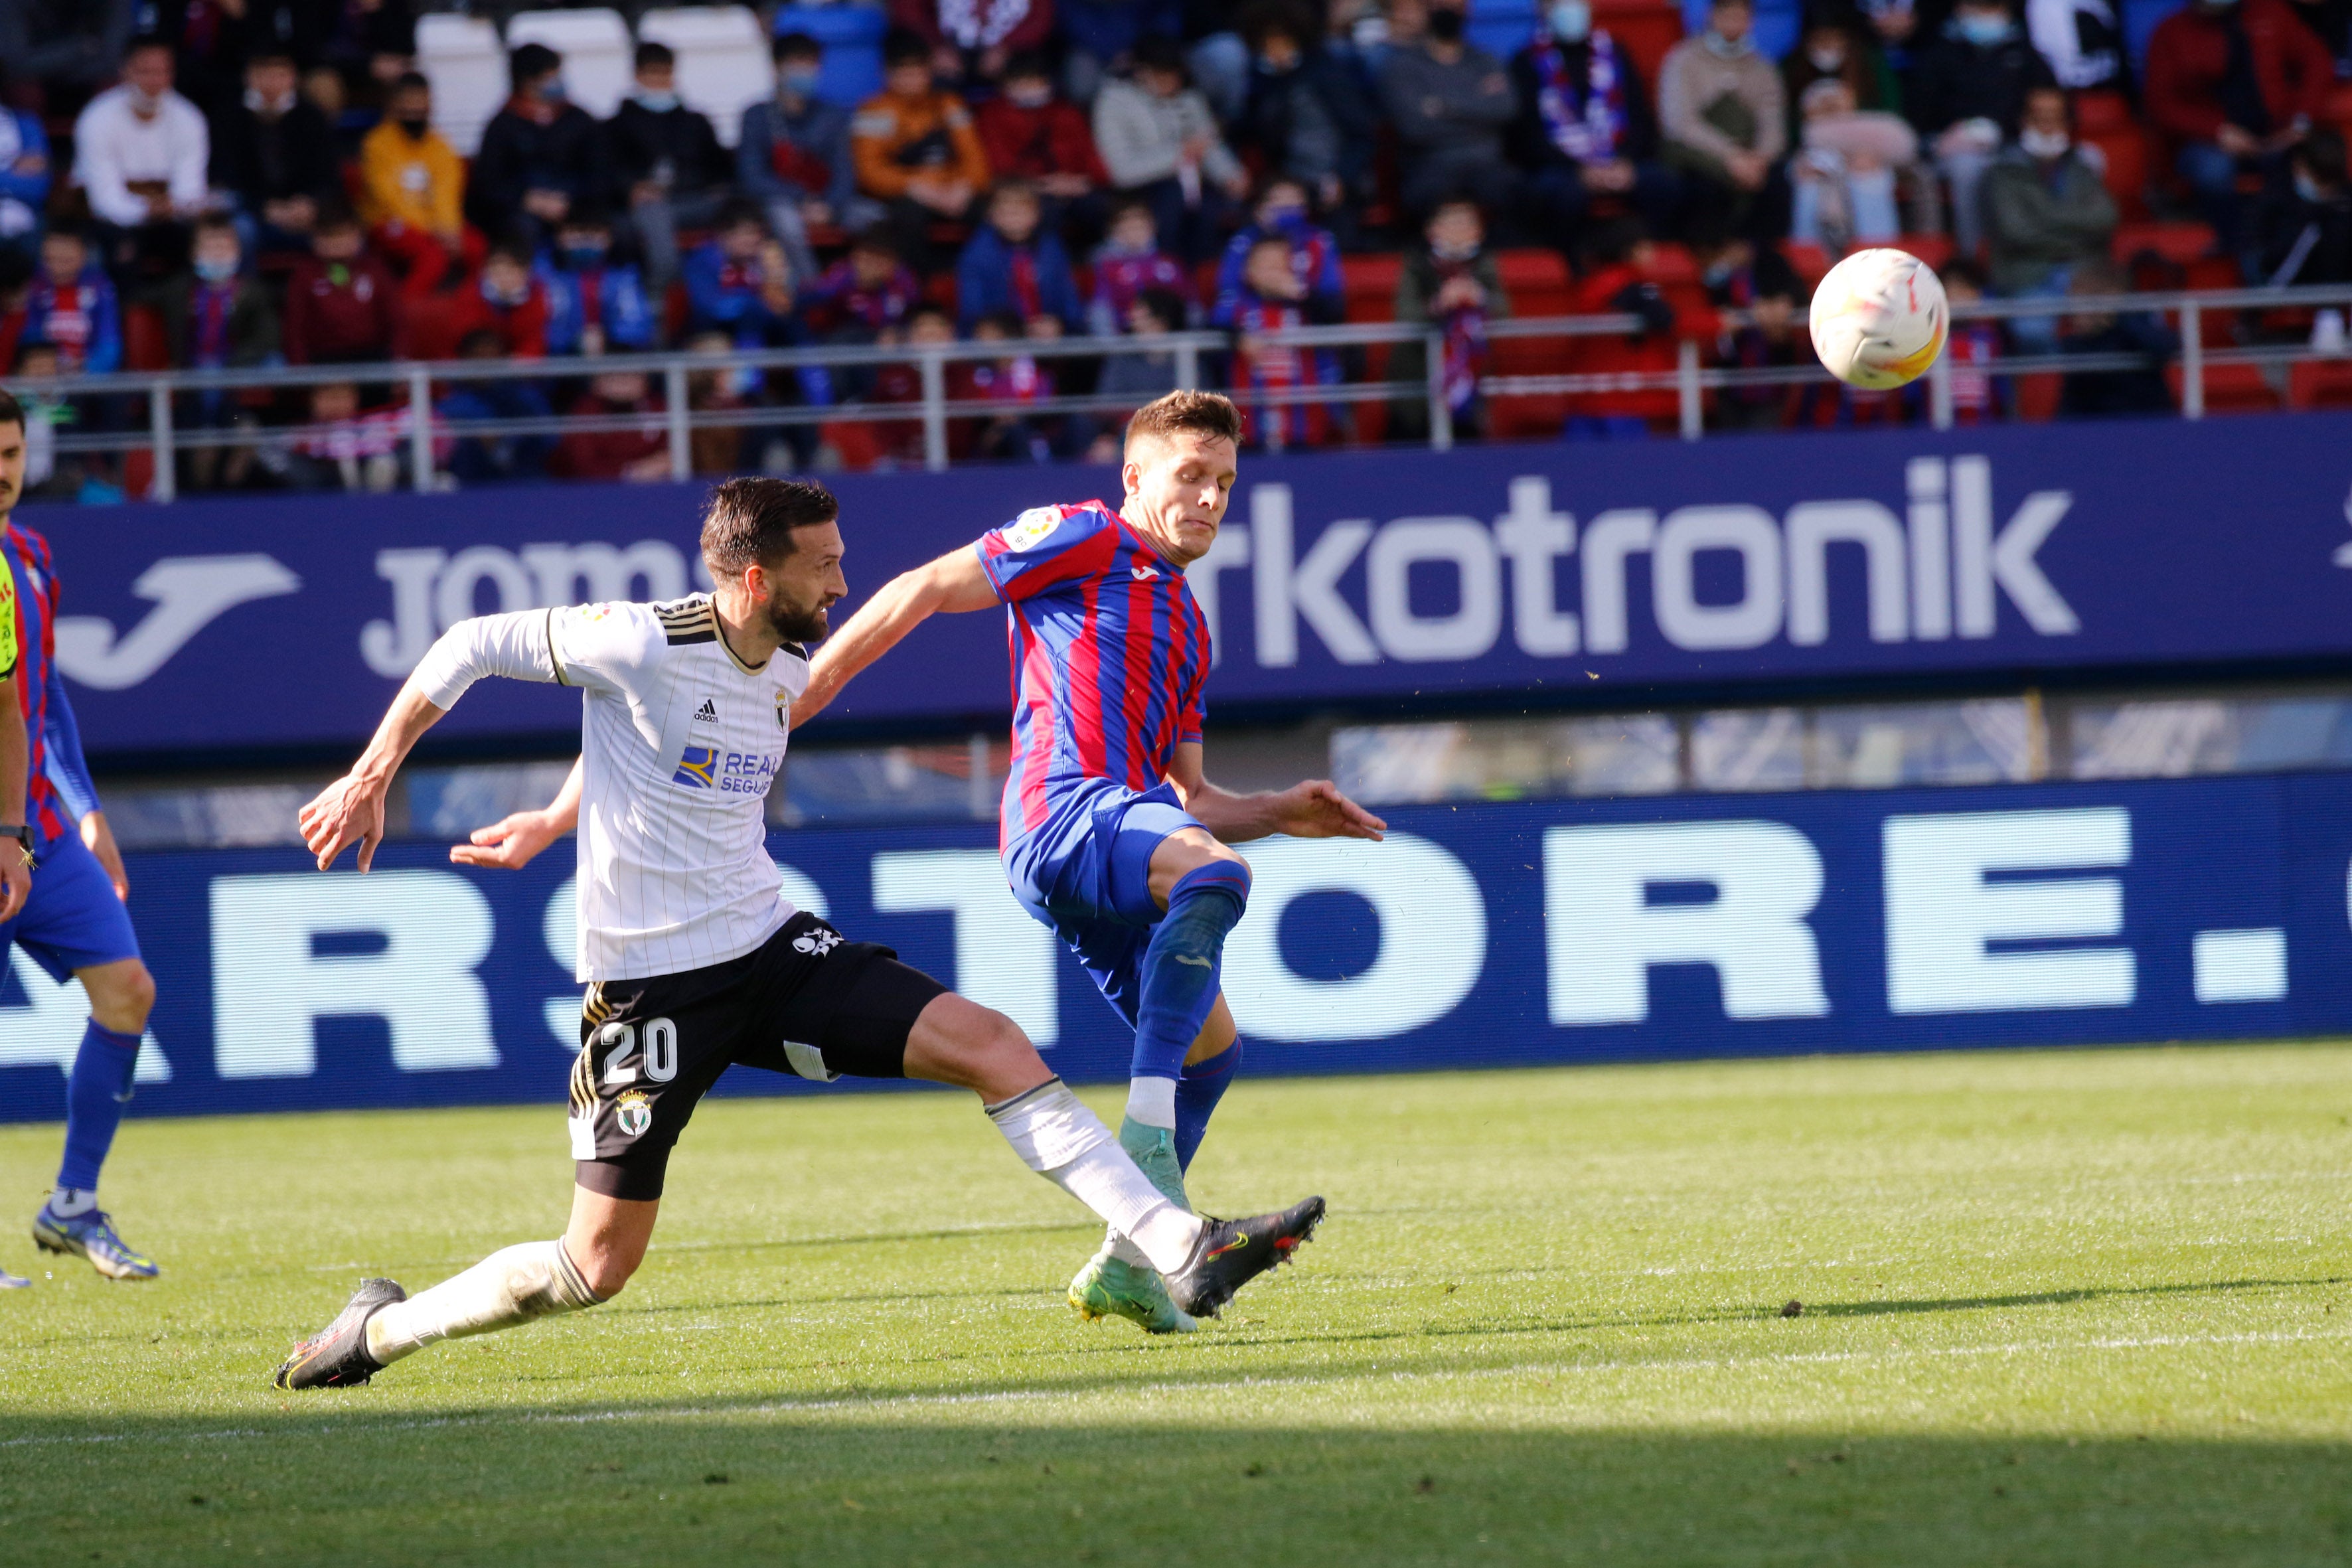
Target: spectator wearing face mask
(915, 148)
(596, 302)
(141, 151)
(2046, 211)
(1832, 49)
(1015, 264)
(2307, 224)
(1843, 177)
(1450, 101)
(217, 316)
(1130, 263)
(1161, 143)
(1030, 134)
(341, 306)
(1967, 97)
(1281, 213)
(1584, 127)
(794, 158)
(740, 282)
(413, 191)
(506, 300)
(1306, 110)
(2232, 86)
(1724, 123)
(1740, 275)
(668, 160)
(539, 152)
(1271, 298)
(275, 154)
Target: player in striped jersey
(1111, 834)
(15, 756)
(697, 961)
(73, 922)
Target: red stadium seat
(1809, 261)
(1647, 28)
(1934, 250)
(1537, 281)
(1371, 286)
(2319, 383)
(2124, 149)
(859, 442)
(145, 345)
(2231, 388)
(2177, 244)
(2037, 396)
(2098, 111)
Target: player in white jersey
(696, 961)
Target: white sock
(1152, 1102)
(66, 1203)
(536, 1279)
(1068, 1144)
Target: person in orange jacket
(413, 191)
(915, 148)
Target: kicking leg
(586, 1267)
(1209, 1069)
(121, 993)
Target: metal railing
(1690, 380)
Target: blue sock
(96, 1092)
(1197, 1093)
(1180, 967)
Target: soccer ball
(1879, 319)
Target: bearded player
(1110, 833)
(696, 961)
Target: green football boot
(1108, 1287)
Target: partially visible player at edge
(695, 960)
(1111, 834)
(73, 922)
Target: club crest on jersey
(1032, 526)
(817, 943)
(635, 1112)
(698, 768)
(708, 713)
(784, 710)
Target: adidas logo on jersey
(708, 713)
(1144, 574)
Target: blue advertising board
(1498, 934)
(1376, 577)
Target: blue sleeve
(1045, 545)
(563, 315)
(836, 153)
(1330, 281)
(1057, 286)
(1229, 280)
(628, 314)
(106, 333)
(978, 289)
(33, 190)
(67, 769)
(710, 302)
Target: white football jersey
(681, 741)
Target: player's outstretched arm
(513, 842)
(952, 585)
(1314, 809)
(350, 810)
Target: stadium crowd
(260, 182)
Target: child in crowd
(478, 459)
(1030, 133)
(340, 305)
(1619, 261)
(1138, 377)
(1129, 262)
(1454, 284)
(71, 306)
(506, 300)
(1282, 213)
(596, 301)
(1843, 177)
(215, 317)
(639, 453)
(928, 324)
(343, 449)
(1758, 281)
(1273, 298)
(1013, 264)
(740, 283)
(1015, 377)
(860, 297)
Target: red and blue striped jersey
(26, 557)
(1109, 654)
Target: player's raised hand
(1316, 809)
(348, 811)
(510, 844)
(15, 881)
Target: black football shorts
(806, 1001)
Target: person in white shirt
(697, 961)
(140, 150)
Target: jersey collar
(1135, 535)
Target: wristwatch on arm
(24, 837)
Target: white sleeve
(99, 165)
(518, 646)
(604, 648)
(192, 158)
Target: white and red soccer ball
(1880, 318)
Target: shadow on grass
(2058, 1298)
(971, 1487)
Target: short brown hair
(750, 521)
(1210, 414)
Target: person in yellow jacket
(914, 147)
(413, 191)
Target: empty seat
(1934, 250)
(2231, 388)
(2319, 383)
(597, 51)
(462, 57)
(723, 64)
(2177, 244)
(852, 36)
(1647, 28)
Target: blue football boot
(91, 1235)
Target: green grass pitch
(2059, 1308)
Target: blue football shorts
(73, 921)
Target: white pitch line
(1299, 1380)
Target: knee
(121, 1000)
